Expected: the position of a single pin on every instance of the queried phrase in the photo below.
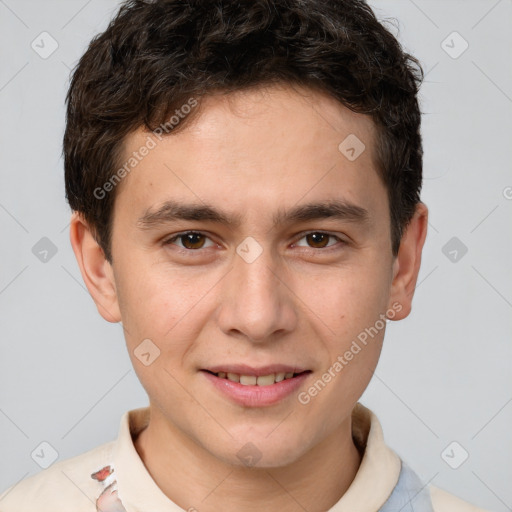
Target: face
(249, 243)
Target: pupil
(316, 236)
(189, 239)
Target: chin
(261, 452)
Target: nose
(258, 300)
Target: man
(245, 184)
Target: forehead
(259, 148)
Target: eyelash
(170, 241)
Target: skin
(252, 153)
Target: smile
(253, 380)
(256, 390)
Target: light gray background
(445, 372)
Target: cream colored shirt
(113, 478)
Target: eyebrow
(172, 210)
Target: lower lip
(257, 396)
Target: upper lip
(243, 369)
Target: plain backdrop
(445, 373)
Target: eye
(190, 240)
(319, 239)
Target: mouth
(256, 387)
(257, 380)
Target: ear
(96, 271)
(407, 262)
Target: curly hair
(155, 55)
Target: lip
(256, 396)
(242, 369)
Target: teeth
(248, 380)
(252, 380)
(266, 380)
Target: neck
(193, 478)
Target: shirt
(113, 478)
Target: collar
(373, 484)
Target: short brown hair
(155, 55)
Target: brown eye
(191, 240)
(318, 239)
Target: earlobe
(96, 270)
(407, 263)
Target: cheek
(347, 308)
(158, 303)
(346, 300)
